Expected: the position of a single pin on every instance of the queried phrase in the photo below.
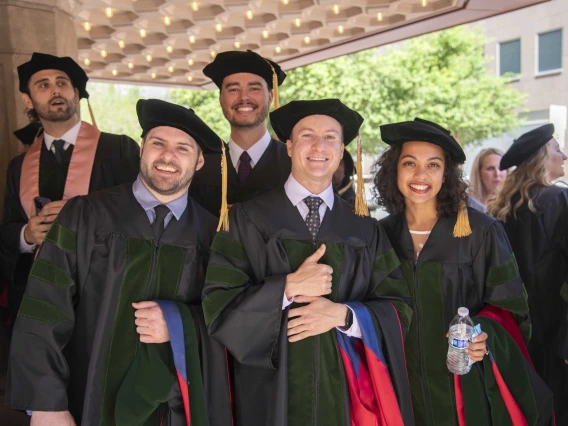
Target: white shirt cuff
(25, 247)
(286, 302)
(354, 330)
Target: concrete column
(27, 26)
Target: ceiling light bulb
(265, 34)
(213, 53)
(192, 39)
(424, 3)
(219, 27)
(194, 6)
(167, 20)
(278, 49)
(109, 12)
(190, 62)
(170, 49)
(153, 75)
(87, 26)
(189, 78)
(237, 45)
(340, 29)
(121, 44)
(336, 9)
(171, 69)
(104, 53)
(297, 22)
(87, 61)
(114, 72)
(149, 58)
(142, 33)
(130, 65)
(285, 2)
(379, 16)
(249, 14)
(307, 40)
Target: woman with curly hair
(534, 214)
(485, 178)
(453, 256)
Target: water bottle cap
(463, 312)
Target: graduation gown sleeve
(495, 264)
(242, 305)
(38, 372)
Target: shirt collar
(70, 136)
(255, 151)
(296, 192)
(147, 200)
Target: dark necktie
(313, 218)
(158, 224)
(244, 166)
(58, 148)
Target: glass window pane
(510, 57)
(550, 51)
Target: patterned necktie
(313, 217)
(158, 224)
(58, 149)
(244, 166)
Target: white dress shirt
(296, 194)
(70, 138)
(254, 152)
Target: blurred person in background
(534, 214)
(485, 177)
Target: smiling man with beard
(256, 162)
(114, 297)
(67, 158)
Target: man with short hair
(111, 328)
(256, 162)
(68, 158)
(295, 287)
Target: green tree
(441, 77)
(114, 108)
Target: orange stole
(80, 167)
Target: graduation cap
(156, 113)
(27, 134)
(43, 61)
(285, 118)
(235, 61)
(526, 146)
(426, 131)
(423, 131)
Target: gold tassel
(91, 113)
(361, 208)
(462, 227)
(274, 85)
(39, 132)
(224, 214)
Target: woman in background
(534, 213)
(485, 177)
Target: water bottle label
(458, 343)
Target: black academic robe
(278, 383)
(271, 171)
(540, 243)
(450, 273)
(116, 161)
(75, 339)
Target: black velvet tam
(42, 61)
(234, 61)
(156, 113)
(286, 117)
(526, 145)
(423, 131)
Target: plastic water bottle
(458, 361)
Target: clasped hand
(150, 323)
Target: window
(510, 57)
(549, 51)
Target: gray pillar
(25, 27)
